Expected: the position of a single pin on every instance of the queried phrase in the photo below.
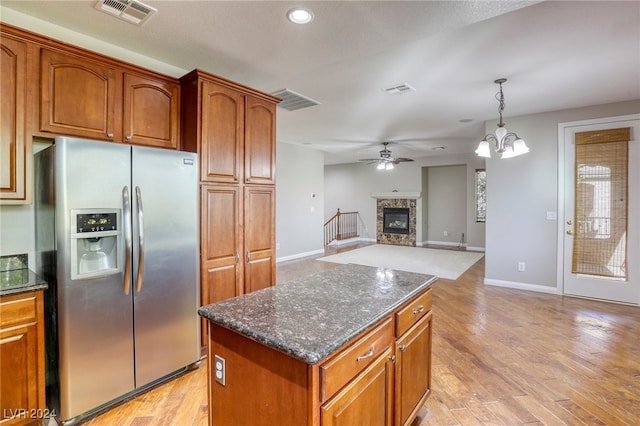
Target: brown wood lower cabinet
(237, 241)
(22, 387)
(413, 371)
(366, 400)
(381, 378)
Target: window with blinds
(601, 203)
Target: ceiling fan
(385, 161)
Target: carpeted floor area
(448, 264)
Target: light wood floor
(500, 357)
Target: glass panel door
(601, 210)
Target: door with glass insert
(601, 250)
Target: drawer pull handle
(418, 310)
(367, 355)
(402, 348)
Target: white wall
(349, 187)
(521, 190)
(446, 194)
(17, 225)
(299, 201)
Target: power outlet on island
(522, 266)
(220, 367)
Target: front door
(600, 242)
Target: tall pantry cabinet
(232, 128)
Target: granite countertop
(16, 277)
(314, 316)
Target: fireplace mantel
(396, 195)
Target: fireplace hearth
(395, 220)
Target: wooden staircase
(341, 226)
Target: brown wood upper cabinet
(87, 98)
(15, 144)
(260, 141)
(235, 134)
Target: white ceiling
(556, 55)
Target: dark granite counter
(16, 277)
(312, 317)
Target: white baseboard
(338, 243)
(450, 244)
(470, 248)
(442, 243)
(299, 255)
(523, 286)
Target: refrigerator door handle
(126, 221)
(140, 273)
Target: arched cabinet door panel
(15, 147)
(260, 141)
(79, 97)
(151, 112)
(222, 133)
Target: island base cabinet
(379, 377)
(413, 371)
(262, 387)
(359, 402)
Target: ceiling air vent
(400, 88)
(292, 101)
(132, 11)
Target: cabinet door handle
(110, 135)
(402, 348)
(367, 355)
(418, 310)
(392, 358)
(237, 257)
(128, 137)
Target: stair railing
(341, 226)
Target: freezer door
(165, 267)
(94, 314)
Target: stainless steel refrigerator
(117, 239)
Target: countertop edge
(30, 282)
(309, 357)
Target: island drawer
(339, 370)
(411, 314)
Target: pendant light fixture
(506, 143)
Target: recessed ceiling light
(300, 16)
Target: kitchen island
(347, 346)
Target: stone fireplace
(396, 218)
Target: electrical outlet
(522, 266)
(446, 233)
(220, 366)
